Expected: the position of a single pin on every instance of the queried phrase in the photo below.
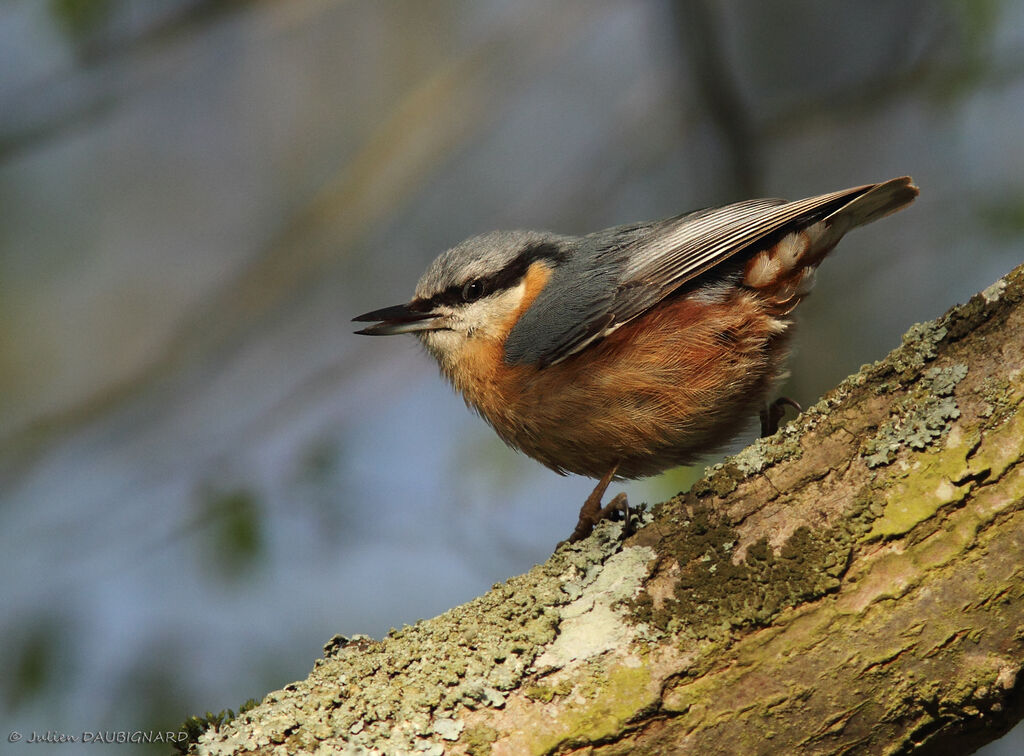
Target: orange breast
(664, 389)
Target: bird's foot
(591, 513)
(773, 413)
(616, 509)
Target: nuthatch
(634, 349)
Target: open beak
(399, 319)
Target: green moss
(1001, 447)
(540, 693)
(644, 611)
(712, 591)
(564, 687)
(478, 740)
(547, 693)
(914, 496)
(195, 726)
(611, 699)
(721, 482)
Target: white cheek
(442, 343)
(489, 316)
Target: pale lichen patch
(918, 419)
(593, 623)
(766, 452)
(993, 293)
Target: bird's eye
(472, 291)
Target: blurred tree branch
(954, 60)
(852, 584)
(701, 40)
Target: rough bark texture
(851, 585)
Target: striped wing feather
(630, 269)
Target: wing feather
(618, 274)
(693, 247)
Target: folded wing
(618, 274)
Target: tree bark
(850, 585)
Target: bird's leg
(773, 413)
(592, 512)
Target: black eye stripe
(505, 278)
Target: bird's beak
(399, 319)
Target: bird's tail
(877, 202)
(783, 273)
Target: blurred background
(204, 475)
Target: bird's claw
(773, 413)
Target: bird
(634, 349)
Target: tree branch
(853, 584)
